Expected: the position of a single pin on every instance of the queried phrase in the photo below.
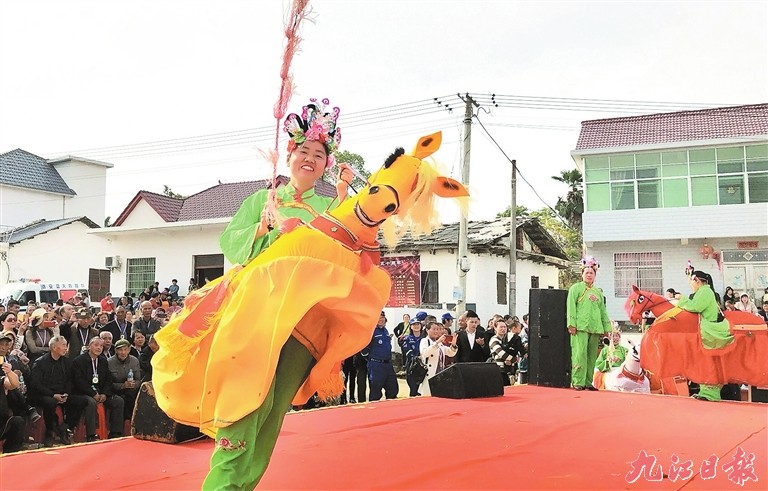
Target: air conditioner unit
(112, 262)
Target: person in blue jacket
(410, 346)
(381, 373)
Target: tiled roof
(684, 126)
(32, 230)
(220, 201)
(483, 236)
(23, 169)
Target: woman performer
(715, 332)
(313, 138)
(587, 323)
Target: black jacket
(51, 376)
(82, 376)
(471, 354)
(112, 327)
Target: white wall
(142, 215)
(64, 254)
(20, 206)
(481, 281)
(173, 250)
(674, 258)
(89, 181)
(675, 223)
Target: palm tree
(572, 207)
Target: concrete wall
(20, 206)
(64, 254)
(676, 223)
(89, 181)
(674, 258)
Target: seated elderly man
(50, 386)
(92, 379)
(126, 375)
(109, 350)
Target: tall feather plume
(298, 12)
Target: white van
(26, 290)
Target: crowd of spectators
(68, 358)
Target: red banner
(405, 272)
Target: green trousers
(583, 356)
(710, 392)
(243, 449)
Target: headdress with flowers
(316, 123)
(589, 262)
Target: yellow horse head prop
(400, 196)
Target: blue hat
(420, 316)
(447, 316)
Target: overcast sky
(78, 76)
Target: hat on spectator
(83, 313)
(122, 343)
(420, 316)
(9, 335)
(36, 318)
(447, 316)
(415, 321)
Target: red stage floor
(532, 438)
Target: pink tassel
(299, 11)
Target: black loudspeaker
(149, 422)
(549, 344)
(467, 380)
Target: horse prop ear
(427, 145)
(445, 187)
(635, 289)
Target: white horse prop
(629, 377)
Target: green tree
(522, 212)
(167, 191)
(568, 238)
(572, 206)
(356, 161)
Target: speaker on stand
(549, 344)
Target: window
(677, 178)
(501, 288)
(534, 282)
(429, 287)
(139, 274)
(642, 269)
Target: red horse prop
(672, 346)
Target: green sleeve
(237, 241)
(698, 303)
(604, 314)
(602, 360)
(573, 295)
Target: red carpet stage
(532, 438)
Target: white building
(662, 189)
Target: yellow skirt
(218, 357)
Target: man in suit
(471, 342)
(120, 327)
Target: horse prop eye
(641, 299)
(390, 208)
(373, 190)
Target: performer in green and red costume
(715, 332)
(587, 323)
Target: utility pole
(512, 279)
(463, 261)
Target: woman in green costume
(715, 332)
(314, 138)
(587, 323)
(243, 449)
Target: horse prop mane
(672, 346)
(319, 283)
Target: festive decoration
(706, 250)
(316, 123)
(589, 262)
